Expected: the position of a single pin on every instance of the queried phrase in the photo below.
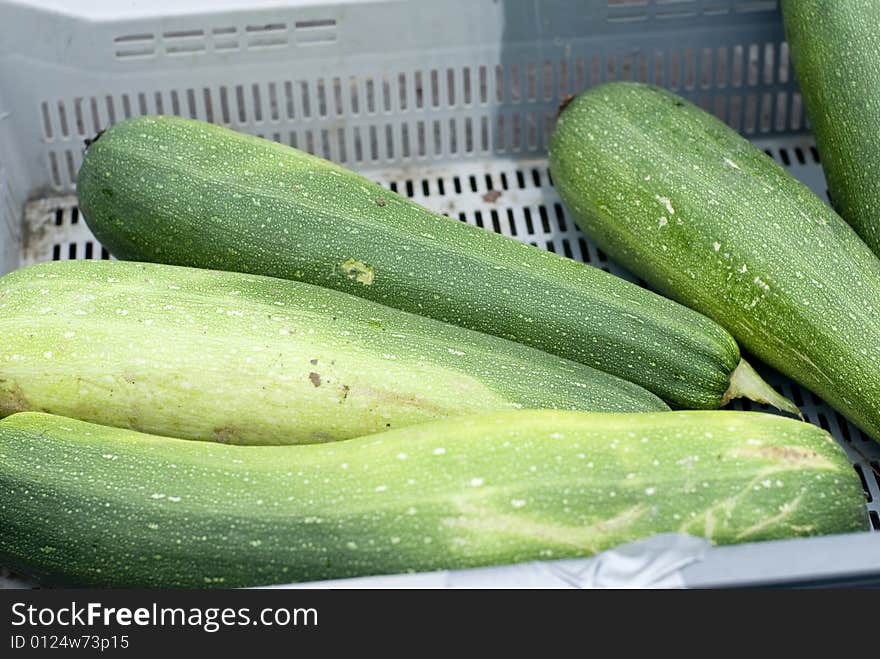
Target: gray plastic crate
(447, 102)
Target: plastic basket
(449, 103)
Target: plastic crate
(446, 102)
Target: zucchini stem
(746, 383)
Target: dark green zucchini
(706, 217)
(184, 192)
(835, 48)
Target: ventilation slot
(315, 31)
(184, 42)
(272, 35)
(677, 10)
(134, 46)
(627, 11)
(225, 38)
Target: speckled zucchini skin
(179, 191)
(493, 489)
(702, 215)
(247, 359)
(835, 48)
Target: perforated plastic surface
(450, 103)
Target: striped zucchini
(184, 192)
(247, 359)
(835, 48)
(702, 215)
(90, 505)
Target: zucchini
(184, 192)
(702, 215)
(247, 359)
(835, 48)
(91, 505)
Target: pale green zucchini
(704, 216)
(90, 505)
(179, 191)
(835, 49)
(247, 359)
